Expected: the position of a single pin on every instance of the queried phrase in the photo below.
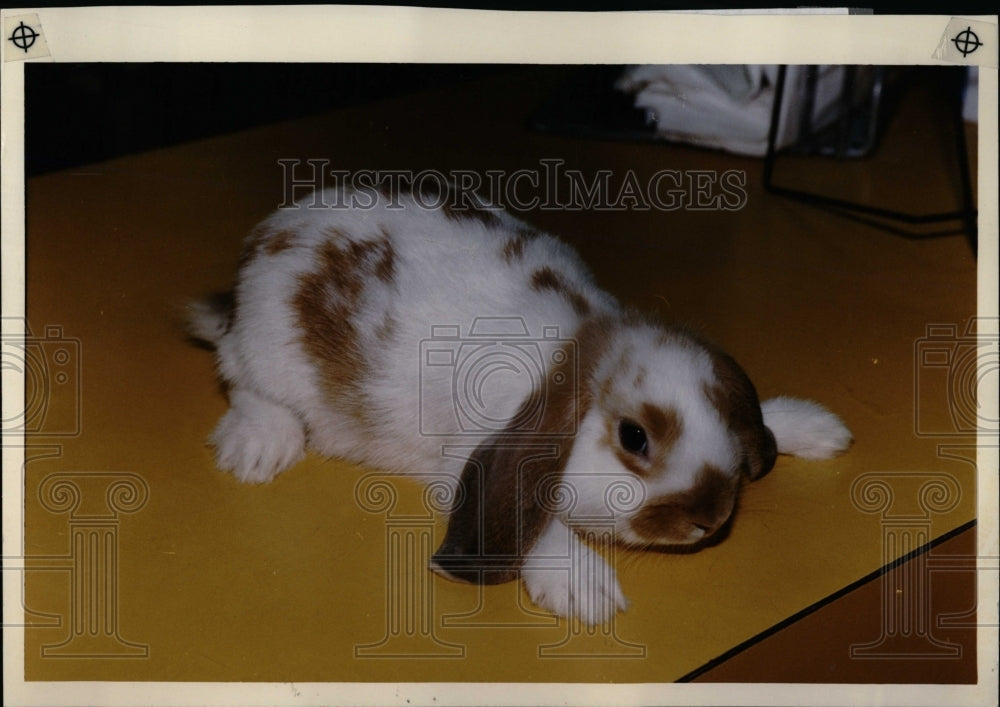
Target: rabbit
(439, 337)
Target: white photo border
(410, 34)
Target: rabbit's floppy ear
(499, 509)
(735, 397)
(498, 515)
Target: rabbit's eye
(633, 438)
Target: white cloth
(727, 107)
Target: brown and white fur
(627, 427)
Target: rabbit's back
(383, 325)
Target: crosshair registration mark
(23, 37)
(967, 41)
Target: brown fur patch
(631, 462)
(547, 279)
(325, 302)
(335, 235)
(662, 424)
(707, 504)
(735, 398)
(513, 249)
(580, 304)
(278, 242)
(386, 328)
(264, 241)
(385, 268)
(343, 269)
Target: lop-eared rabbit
(458, 343)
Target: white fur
(451, 273)
(257, 437)
(804, 428)
(565, 576)
(434, 258)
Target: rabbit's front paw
(586, 588)
(256, 439)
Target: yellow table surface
(219, 581)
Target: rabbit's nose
(689, 516)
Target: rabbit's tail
(208, 319)
(805, 429)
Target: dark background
(84, 113)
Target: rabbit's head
(653, 445)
